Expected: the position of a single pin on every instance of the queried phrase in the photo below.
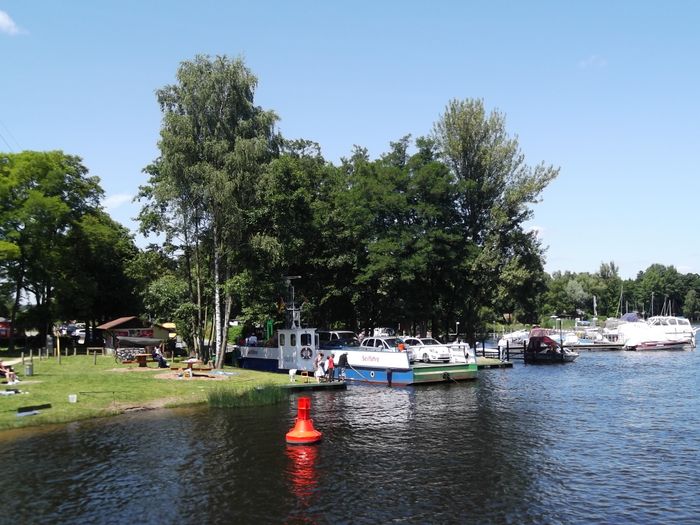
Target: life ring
(306, 352)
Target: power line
(9, 133)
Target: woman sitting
(7, 372)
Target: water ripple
(611, 438)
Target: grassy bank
(107, 388)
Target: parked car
(428, 349)
(386, 344)
(336, 339)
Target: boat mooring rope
(358, 372)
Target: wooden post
(59, 358)
(94, 358)
(31, 356)
(507, 350)
(22, 359)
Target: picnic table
(142, 359)
(191, 362)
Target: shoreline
(81, 388)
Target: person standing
(318, 367)
(342, 365)
(330, 367)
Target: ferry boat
(296, 349)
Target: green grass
(108, 388)
(265, 394)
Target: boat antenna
(295, 312)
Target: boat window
(305, 339)
(282, 339)
(292, 339)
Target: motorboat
(543, 349)
(674, 327)
(656, 333)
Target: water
(611, 438)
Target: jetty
(313, 385)
(491, 362)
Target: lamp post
(561, 335)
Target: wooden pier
(491, 362)
(313, 385)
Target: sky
(606, 91)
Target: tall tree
(494, 190)
(214, 144)
(45, 196)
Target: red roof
(116, 322)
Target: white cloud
(115, 201)
(7, 25)
(593, 61)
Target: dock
(491, 362)
(310, 386)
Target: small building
(131, 326)
(5, 328)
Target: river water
(611, 438)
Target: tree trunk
(217, 295)
(221, 350)
(15, 307)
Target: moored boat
(542, 349)
(641, 335)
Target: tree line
(429, 234)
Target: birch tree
(214, 144)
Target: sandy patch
(133, 369)
(196, 376)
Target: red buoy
(303, 432)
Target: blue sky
(607, 91)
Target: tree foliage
(59, 252)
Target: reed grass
(265, 394)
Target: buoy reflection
(302, 471)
